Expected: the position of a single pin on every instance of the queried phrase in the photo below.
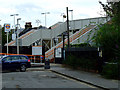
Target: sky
(30, 11)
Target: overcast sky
(30, 10)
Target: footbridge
(78, 34)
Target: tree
(4, 36)
(108, 35)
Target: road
(39, 79)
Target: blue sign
(7, 27)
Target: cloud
(28, 7)
(30, 10)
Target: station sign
(7, 27)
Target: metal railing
(33, 58)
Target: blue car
(14, 62)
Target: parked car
(14, 62)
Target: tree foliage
(108, 36)
(4, 37)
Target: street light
(17, 35)
(63, 15)
(71, 14)
(45, 16)
(14, 20)
(71, 24)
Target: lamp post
(71, 14)
(17, 35)
(14, 20)
(45, 16)
(0, 38)
(71, 24)
(63, 15)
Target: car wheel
(22, 68)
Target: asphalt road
(39, 79)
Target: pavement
(88, 77)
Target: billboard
(36, 50)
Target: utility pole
(68, 27)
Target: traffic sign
(41, 57)
(7, 27)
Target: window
(7, 59)
(23, 58)
(14, 58)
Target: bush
(85, 63)
(110, 70)
(70, 60)
(81, 45)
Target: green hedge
(81, 45)
(85, 63)
(111, 70)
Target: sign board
(36, 50)
(41, 57)
(58, 52)
(7, 27)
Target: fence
(22, 49)
(86, 52)
(33, 58)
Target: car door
(6, 63)
(15, 62)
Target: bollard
(47, 64)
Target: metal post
(7, 42)
(45, 17)
(45, 20)
(14, 20)
(41, 37)
(63, 46)
(51, 42)
(68, 27)
(0, 38)
(17, 36)
(63, 41)
(14, 24)
(17, 39)
(34, 59)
